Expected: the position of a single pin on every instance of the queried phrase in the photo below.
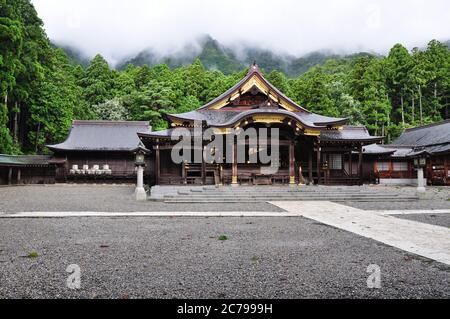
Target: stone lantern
(419, 163)
(140, 192)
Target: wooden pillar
(203, 167)
(19, 173)
(447, 169)
(291, 163)
(234, 172)
(318, 162)
(350, 163)
(360, 164)
(310, 166)
(10, 171)
(157, 164)
(183, 172)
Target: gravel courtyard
(119, 198)
(182, 257)
(103, 198)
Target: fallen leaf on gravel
(104, 246)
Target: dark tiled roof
(24, 160)
(433, 149)
(432, 134)
(102, 136)
(221, 118)
(428, 139)
(373, 149)
(156, 134)
(349, 133)
(401, 151)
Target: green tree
(312, 91)
(437, 56)
(11, 38)
(97, 81)
(187, 104)
(279, 80)
(111, 110)
(399, 67)
(52, 102)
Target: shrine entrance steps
(237, 194)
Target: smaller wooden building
(27, 169)
(393, 163)
(100, 150)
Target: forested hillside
(215, 56)
(42, 90)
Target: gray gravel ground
(391, 205)
(433, 219)
(183, 258)
(104, 198)
(119, 198)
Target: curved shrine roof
(102, 136)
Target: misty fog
(119, 29)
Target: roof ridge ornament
(254, 68)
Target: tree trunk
(37, 137)
(412, 108)
(435, 90)
(403, 112)
(15, 123)
(420, 105)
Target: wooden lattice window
(335, 161)
(400, 166)
(383, 166)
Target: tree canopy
(42, 90)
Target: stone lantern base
(140, 193)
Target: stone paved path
(419, 238)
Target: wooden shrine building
(99, 150)
(394, 163)
(312, 148)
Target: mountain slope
(215, 56)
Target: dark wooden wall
(28, 175)
(438, 170)
(122, 164)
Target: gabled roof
(254, 78)
(345, 134)
(427, 139)
(217, 113)
(24, 160)
(377, 149)
(102, 136)
(226, 118)
(431, 134)
(349, 133)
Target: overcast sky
(119, 28)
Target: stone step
(324, 197)
(186, 192)
(191, 201)
(258, 193)
(288, 195)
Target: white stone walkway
(145, 214)
(419, 238)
